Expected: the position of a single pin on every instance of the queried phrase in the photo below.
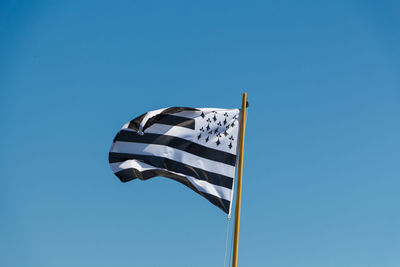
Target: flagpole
(239, 181)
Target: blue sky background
(322, 172)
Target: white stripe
(126, 127)
(174, 154)
(215, 190)
(131, 163)
(149, 115)
(206, 111)
(190, 135)
(203, 186)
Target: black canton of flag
(194, 146)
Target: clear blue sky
(322, 156)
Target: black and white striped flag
(194, 146)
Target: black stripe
(130, 174)
(221, 203)
(175, 166)
(127, 175)
(134, 124)
(170, 120)
(178, 143)
(173, 110)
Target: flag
(194, 146)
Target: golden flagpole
(239, 181)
